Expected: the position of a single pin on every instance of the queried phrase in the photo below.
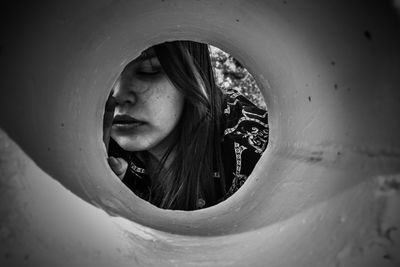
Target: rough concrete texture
(325, 192)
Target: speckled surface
(325, 192)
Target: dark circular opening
(184, 125)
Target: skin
(154, 106)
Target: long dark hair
(197, 146)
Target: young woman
(173, 137)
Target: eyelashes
(148, 72)
(147, 68)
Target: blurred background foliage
(230, 73)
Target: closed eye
(149, 67)
(148, 72)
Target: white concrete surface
(325, 192)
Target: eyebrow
(146, 55)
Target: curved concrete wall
(324, 193)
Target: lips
(126, 122)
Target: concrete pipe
(325, 192)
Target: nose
(123, 93)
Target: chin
(130, 145)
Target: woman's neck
(153, 159)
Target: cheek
(169, 107)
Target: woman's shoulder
(245, 137)
(244, 122)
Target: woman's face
(148, 106)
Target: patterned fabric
(244, 140)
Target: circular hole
(184, 125)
